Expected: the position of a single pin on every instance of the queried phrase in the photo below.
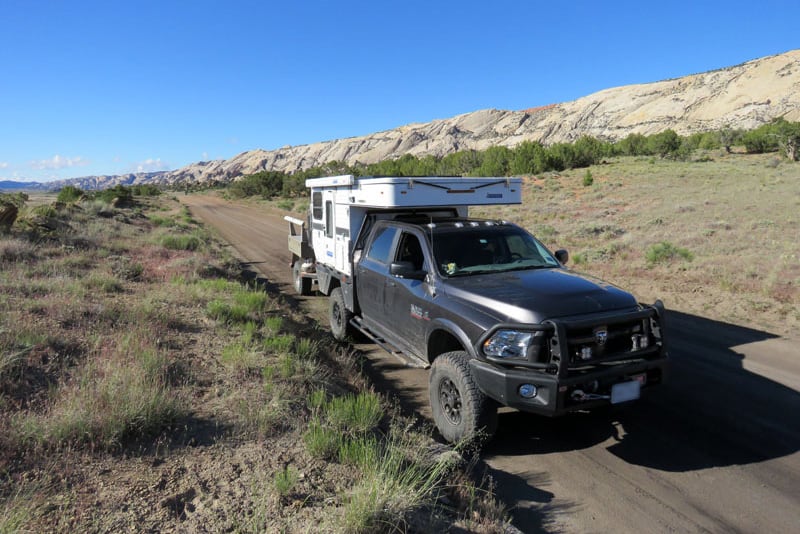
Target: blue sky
(89, 88)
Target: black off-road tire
(460, 409)
(302, 285)
(338, 315)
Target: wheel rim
(336, 314)
(450, 401)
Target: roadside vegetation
(779, 137)
(713, 237)
(705, 222)
(146, 383)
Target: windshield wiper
(526, 268)
(471, 272)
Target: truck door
(372, 272)
(408, 302)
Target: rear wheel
(302, 285)
(460, 409)
(338, 315)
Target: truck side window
(316, 202)
(381, 246)
(410, 250)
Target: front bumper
(555, 395)
(563, 381)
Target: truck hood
(536, 295)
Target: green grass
(106, 403)
(105, 283)
(285, 480)
(665, 252)
(390, 487)
(159, 220)
(225, 313)
(181, 242)
(737, 210)
(278, 344)
(241, 356)
(17, 511)
(321, 441)
(354, 414)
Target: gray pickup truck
(496, 316)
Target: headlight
(508, 344)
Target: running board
(410, 361)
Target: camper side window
(316, 202)
(328, 219)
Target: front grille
(592, 344)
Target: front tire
(338, 315)
(460, 409)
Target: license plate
(625, 391)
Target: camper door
(331, 243)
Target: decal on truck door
(417, 312)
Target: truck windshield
(487, 249)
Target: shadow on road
(710, 413)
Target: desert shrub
(266, 184)
(588, 179)
(529, 158)
(119, 194)
(145, 190)
(589, 150)
(664, 144)
(633, 145)
(14, 250)
(496, 162)
(285, 204)
(664, 252)
(16, 199)
(69, 194)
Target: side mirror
(405, 269)
(562, 255)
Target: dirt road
(716, 449)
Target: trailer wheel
(339, 315)
(302, 285)
(460, 410)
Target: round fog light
(527, 391)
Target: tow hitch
(581, 396)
